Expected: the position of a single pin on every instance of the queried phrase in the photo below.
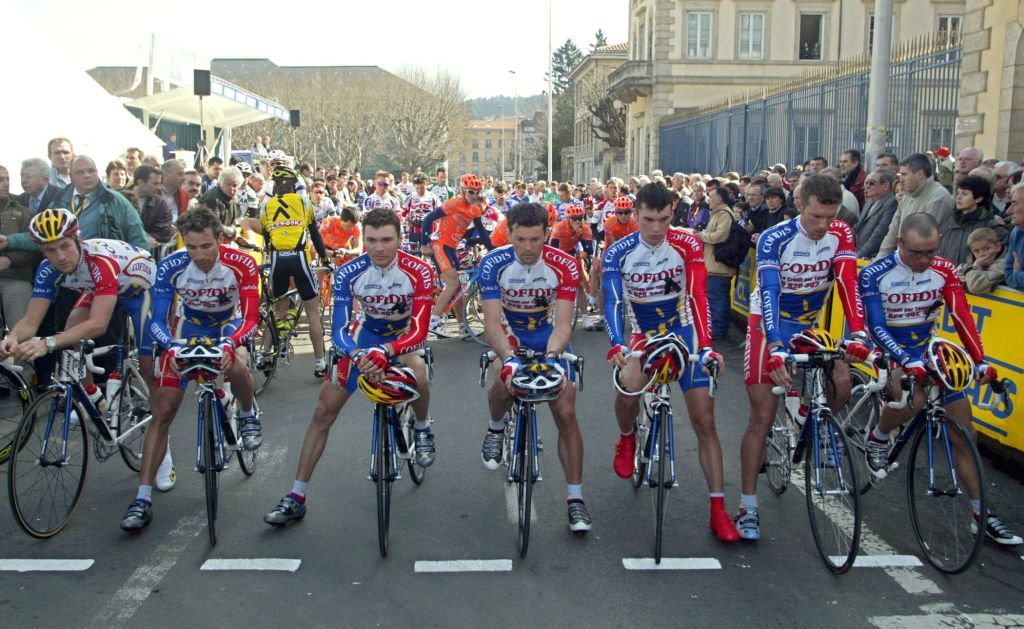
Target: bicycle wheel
(383, 447)
(660, 459)
(940, 509)
(473, 314)
(246, 458)
(263, 352)
(132, 410)
(45, 488)
(416, 473)
(640, 460)
(778, 460)
(208, 454)
(858, 419)
(524, 480)
(13, 404)
(833, 497)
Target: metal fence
(820, 117)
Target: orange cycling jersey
(614, 230)
(335, 235)
(450, 229)
(565, 238)
(500, 234)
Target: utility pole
(551, 85)
(515, 140)
(878, 85)
(501, 143)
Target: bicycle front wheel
(416, 472)
(524, 482)
(45, 481)
(15, 401)
(778, 459)
(208, 452)
(641, 429)
(661, 461)
(940, 506)
(383, 452)
(833, 496)
(263, 355)
(473, 314)
(133, 415)
(858, 419)
(246, 458)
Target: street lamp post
(515, 139)
(551, 85)
(501, 144)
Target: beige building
(485, 143)
(591, 156)
(683, 54)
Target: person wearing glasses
(921, 193)
(380, 197)
(879, 207)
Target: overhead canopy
(227, 106)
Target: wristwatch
(51, 344)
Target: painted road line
(512, 504)
(883, 561)
(268, 564)
(465, 565)
(672, 563)
(45, 565)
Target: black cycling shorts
(292, 265)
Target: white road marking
(464, 565)
(912, 581)
(512, 505)
(45, 565)
(137, 588)
(947, 615)
(884, 561)
(672, 563)
(280, 565)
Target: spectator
(17, 268)
(173, 175)
(755, 196)
(1001, 190)
(816, 164)
(853, 175)
(257, 148)
(774, 212)
(719, 283)
(972, 212)
(969, 159)
(132, 160)
(117, 175)
(988, 266)
(944, 167)
(61, 153)
(221, 197)
(887, 161)
(698, 214)
(1015, 255)
(152, 160)
(849, 212)
(252, 196)
(192, 184)
(921, 193)
(170, 146)
(39, 194)
(214, 165)
(156, 213)
(880, 207)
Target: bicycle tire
(473, 314)
(857, 422)
(246, 458)
(837, 546)
(383, 449)
(641, 430)
(29, 512)
(933, 515)
(660, 495)
(524, 482)
(263, 352)
(208, 451)
(778, 459)
(416, 472)
(12, 410)
(133, 409)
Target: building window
(641, 41)
(808, 140)
(751, 36)
(871, 33)
(476, 144)
(949, 29)
(940, 134)
(487, 144)
(811, 36)
(698, 35)
(476, 156)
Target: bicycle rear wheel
(660, 459)
(416, 473)
(263, 354)
(833, 496)
(383, 451)
(473, 314)
(13, 405)
(132, 410)
(940, 510)
(524, 481)
(640, 460)
(208, 453)
(858, 419)
(778, 460)
(246, 458)
(44, 496)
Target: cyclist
(618, 226)
(571, 235)
(287, 220)
(217, 292)
(797, 262)
(902, 293)
(416, 207)
(341, 233)
(443, 229)
(394, 291)
(441, 189)
(658, 273)
(529, 284)
(499, 237)
(380, 197)
(565, 201)
(277, 158)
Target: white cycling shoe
(166, 476)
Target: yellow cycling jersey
(286, 219)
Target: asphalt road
(335, 575)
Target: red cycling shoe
(624, 451)
(723, 527)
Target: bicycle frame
(658, 397)
(399, 448)
(521, 413)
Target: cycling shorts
(186, 328)
(292, 265)
(445, 258)
(693, 376)
(537, 340)
(137, 306)
(755, 354)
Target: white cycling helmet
(538, 382)
(277, 156)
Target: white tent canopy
(77, 108)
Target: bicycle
(467, 300)
(655, 442)
(941, 514)
(49, 461)
(521, 447)
(392, 441)
(217, 431)
(830, 477)
(16, 398)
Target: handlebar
(693, 358)
(1000, 397)
(486, 358)
(87, 349)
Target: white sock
(299, 488)
(626, 434)
(575, 492)
(748, 502)
(976, 507)
(145, 493)
(422, 424)
(496, 426)
(715, 495)
(320, 362)
(879, 435)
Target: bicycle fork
(653, 453)
(392, 453)
(217, 426)
(519, 423)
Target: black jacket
(50, 197)
(870, 230)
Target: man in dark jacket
(972, 212)
(221, 197)
(39, 194)
(853, 174)
(156, 213)
(879, 209)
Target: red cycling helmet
(813, 340)
(623, 203)
(665, 357)
(471, 182)
(552, 214)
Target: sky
(480, 41)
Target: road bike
(521, 447)
(15, 398)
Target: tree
(609, 115)
(563, 60)
(599, 40)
